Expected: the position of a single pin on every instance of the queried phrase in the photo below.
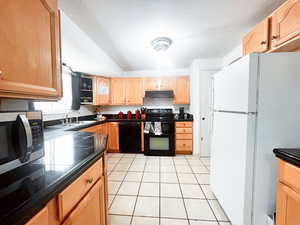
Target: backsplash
(148, 103)
(15, 105)
(22, 105)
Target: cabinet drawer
(289, 175)
(184, 144)
(184, 136)
(188, 130)
(75, 191)
(184, 124)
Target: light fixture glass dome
(161, 43)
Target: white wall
(148, 103)
(201, 71)
(82, 53)
(233, 55)
(157, 73)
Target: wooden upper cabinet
(118, 91)
(30, 59)
(167, 84)
(257, 40)
(158, 83)
(40, 218)
(134, 93)
(286, 22)
(102, 91)
(151, 84)
(182, 90)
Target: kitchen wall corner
(201, 72)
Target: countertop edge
(287, 157)
(28, 210)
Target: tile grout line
(186, 212)
(137, 196)
(202, 190)
(159, 193)
(122, 179)
(108, 181)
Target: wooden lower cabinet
(82, 202)
(91, 209)
(184, 137)
(288, 194)
(113, 137)
(288, 206)
(40, 219)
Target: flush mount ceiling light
(161, 43)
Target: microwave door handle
(28, 134)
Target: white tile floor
(161, 191)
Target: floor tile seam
(185, 208)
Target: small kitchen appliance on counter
(120, 115)
(137, 114)
(129, 115)
(21, 139)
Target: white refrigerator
(256, 109)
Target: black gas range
(159, 135)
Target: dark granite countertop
(291, 155)
(26, 190)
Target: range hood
(159, 94)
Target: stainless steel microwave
(21, 139)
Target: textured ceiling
(199, 28)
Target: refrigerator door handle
(236, 112)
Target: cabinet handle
(274, 37)
(90, 180)
(263, 42)
(1, 73)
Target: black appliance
(181, 112)
(130, 137)
(162, 144)
(159, 94)
(21, 139)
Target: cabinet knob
(274, 37)
(90, 180)
(263, 42)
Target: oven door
(159, 145)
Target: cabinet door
(182, 90)
(40, 218)
(151, 84)
(113, 136)
(167, 84)
(257, 40)
(102, 91)
(286, 22)
(134, 91)
(118, 95)
(90, 209)
(30, 49)
(288, 206)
